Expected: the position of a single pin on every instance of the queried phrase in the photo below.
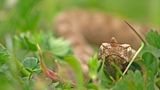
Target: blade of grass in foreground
(75, 65)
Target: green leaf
(93, 65)
(75, 65)
(30, 45)
(5, 84)
(153, 39)
(105, 79)
(30, 63)
(151, 69)
(92, 86)
(4, 56)
(25, 42)
(151, 49)
(59, 46)
(158, 82)
(21, 69)
(131, 81)
(150, 62)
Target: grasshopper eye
(106, 46)
(102, 50)
(125, 46)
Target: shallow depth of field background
(23, 23)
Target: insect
(115, 54)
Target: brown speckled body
(115, 53)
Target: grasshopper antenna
(136, 32)
(138, 51)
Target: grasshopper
(115, 54)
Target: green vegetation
(27, 23)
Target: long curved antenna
(136, 54)
(136, 32)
